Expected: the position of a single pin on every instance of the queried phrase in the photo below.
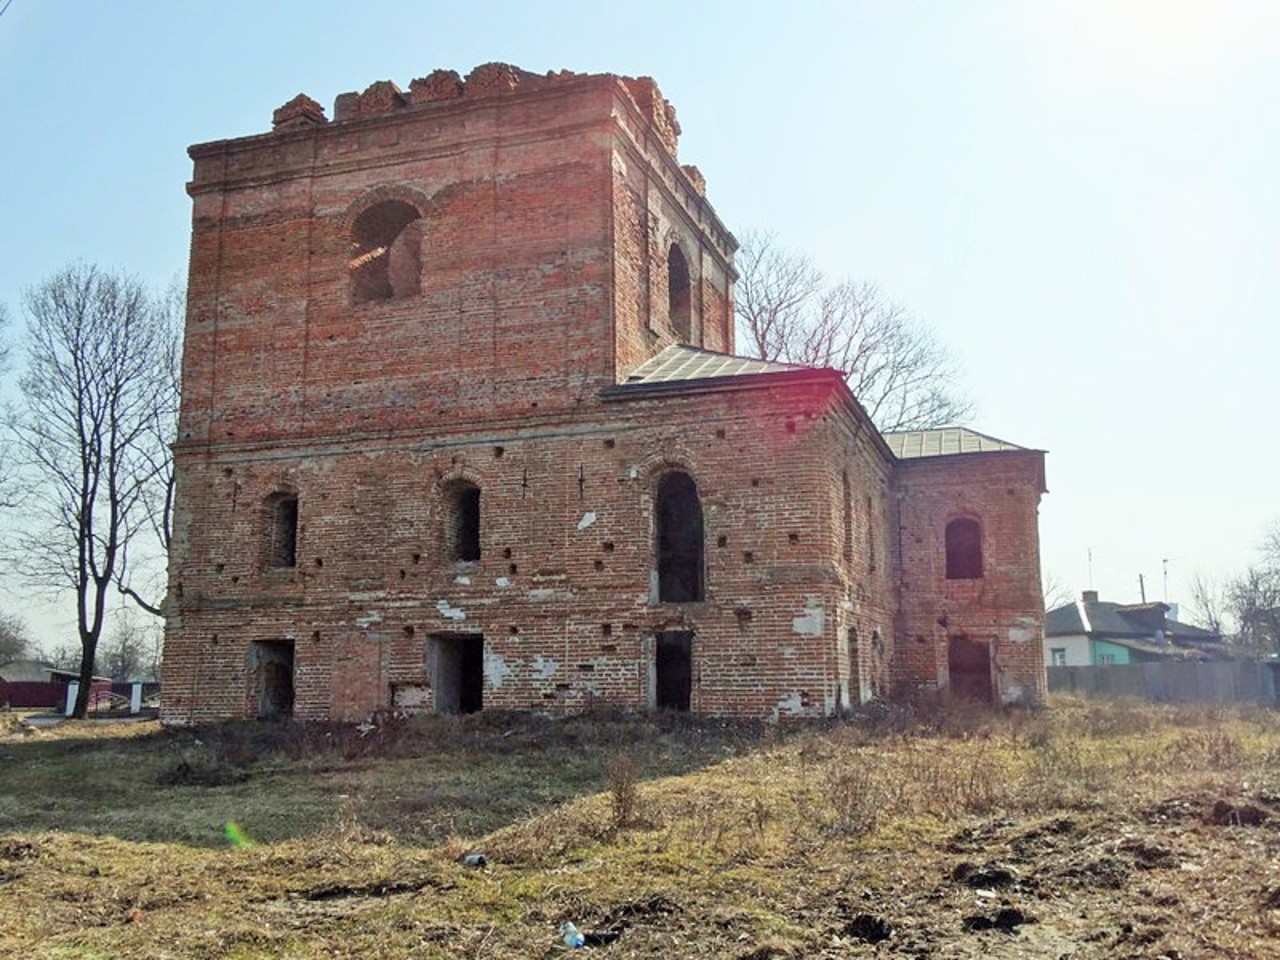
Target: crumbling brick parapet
(301, 111)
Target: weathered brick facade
(428, 408)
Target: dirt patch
(989, 876)
(1175, 810)
(1227, 814)
(768, 951)
(868, 928)
(15, 849)
(186, 774)
(640, 911)
(1006, 918)
(1149, 856)
(1102, 873)
(382, 888)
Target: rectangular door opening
(458, 674)
(673, 655)
(271, 673)
(969, 665)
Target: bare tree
(96, 398)
(1209, 603)
(1270, 546)
(122, 653)
(1056, 592)
(65, 657)
(15, 642)
(788, 311)
(1253, 599)
(9, 488)
(156, 451)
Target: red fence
(27, 695)
(49, 696)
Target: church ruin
(462, 428)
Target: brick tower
(462, 428)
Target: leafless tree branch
(91, 435)
(1208, 603)
(787, 311)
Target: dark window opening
(457, 673)
(386, 252)
(673, 670)
(969, 668)
(679, 294)
(964, 550)
(462, 532)
(271, 671)
(680, 539)
(282, 516)
(877, 663)
(855, 668)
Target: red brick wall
(562, 590)
(1005, 607)
(548, 205)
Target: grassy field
(1076, 831)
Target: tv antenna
(1164, 564)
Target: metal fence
(1212, 682)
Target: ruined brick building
(462, 428)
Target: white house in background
(1092, 632)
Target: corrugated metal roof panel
(944, 442)
(679, 363)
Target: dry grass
(1110, 825)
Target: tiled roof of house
(943, 442)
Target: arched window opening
(680, 539)
(282, 530)
(386, 252)
(964, 549)
(462, 522)
(679, 298)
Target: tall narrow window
(462, 521)
(679, 298)
(679, 539)
(282, 530)
(964, 549)
(386, 251)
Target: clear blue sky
(1080, 196)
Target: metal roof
(944, 442)
(1109, 621)
(682, 363)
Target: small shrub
(856, 799)
(1065, 774)
(624, 793)
(1117, 719)
(1214, 749)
